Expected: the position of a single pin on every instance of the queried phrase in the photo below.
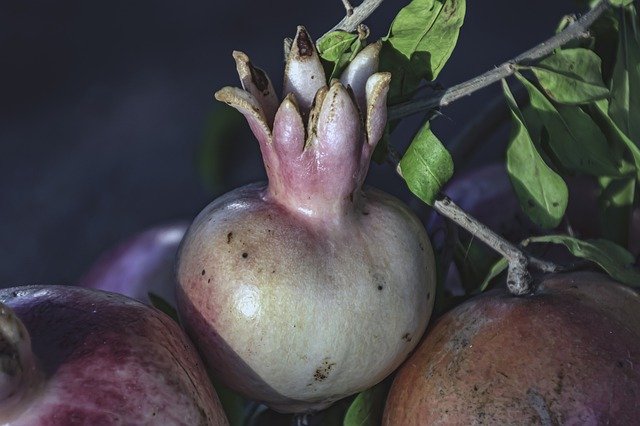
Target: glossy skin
(569, 354)
(104, 359)
(143, 263)
(299, 314)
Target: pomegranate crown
(317, 143)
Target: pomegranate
(77, 356)
(309, 288)
(142, 264)
(567, 354)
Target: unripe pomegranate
(567, 354)
(73, 356)
(142, 264)
(307, 289)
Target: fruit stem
(577, 29)
(358, 14)
(519, 281)
(20, 377)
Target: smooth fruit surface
(298, 314)
(103, 359)
(307, 289)
(569, 354)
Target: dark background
(104, 106)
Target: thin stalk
(577, 29)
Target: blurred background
(108, 123)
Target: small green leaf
(495, 270)
(624, 107)
(571, 76)
(332, 46)
(420, 41)
(338, 48)
(613, 259)
(621, 3)
(574, 138)
(616, 206)
(473, 260)
(162, 305)
(366, 409)
(426, 166)
(598, 111)
(542, 193)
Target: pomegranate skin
(298, 313)
(569, 354)
(107, 360)
(140, 265)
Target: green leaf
(574, 138)
(473, 260)
(598, 111)
(495, 270)
(624, 107)
(338, 48)
(426, 166)
(366, 409)
(542, 193)
(420, 41)
(571, 76)
(613, 259)
(616, 206)
(162, 305)
(621, 3)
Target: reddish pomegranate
(567, 354)
(307, 289)
(140, 265)
(77, 356)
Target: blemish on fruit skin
(407, 337)
(322, 372)
(204, 272)
(229, 237)
(245, 255)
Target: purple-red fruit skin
(109, 360)
(141, 264)
(569, 354)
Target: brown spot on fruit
(204, 272)
(229, 237)
(407, 337)
(305, 46)
(322, 372)
(245, 255)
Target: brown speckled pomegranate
(307, 289)
(72, 356)
(568, 354)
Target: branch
(577, 29)
(351, 21)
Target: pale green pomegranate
(308, 288)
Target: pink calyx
(318, 143)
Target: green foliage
(621, 3)
(613, 259)
(542, 192)
(571, 76)
(616, 206)
(419, 43)
(162, 305)
(574, 138)
(624, 106)
(426, 166)
(497, 268)
(337, 49)
(366, 409)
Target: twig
(577, 29)
(358, 14)
(347, 7)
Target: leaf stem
(577, 29)
(358, 14)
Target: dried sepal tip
(257, 82)
(377, 88)
(248, 106)
(304, 74)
